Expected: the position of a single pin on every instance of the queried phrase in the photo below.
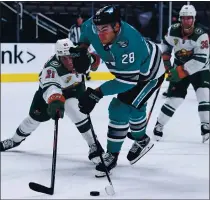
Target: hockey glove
(167, 63)
(56, 106)
(166, 60)
(176, 74)
(89, 99)
(81, 59)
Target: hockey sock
(27, 126)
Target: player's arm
(84, 43)
(83, 60)
(167, 48)
(131, 61)
(72, 34)
(49, 82)
(126, 78)
(52, 93)
(166, 54)
(200, 57)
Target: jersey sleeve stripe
(126, 81)
(124, 72)
(50, 84)
(131, 79)
(153, 49)
(155, 63)
(200, 54)
(200, 59)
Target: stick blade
(110, 190)
(40, 188)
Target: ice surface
(177, 167)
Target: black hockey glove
(89, 99)
(81, 59)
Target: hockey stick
(153, 104)
(41, 188)
(109, 189)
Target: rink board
(33, 77)
(23, 62)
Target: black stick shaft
(102, 160)
(153, 104)
(41, 188)
(54, 154)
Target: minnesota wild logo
(184, 53)
(68, 79)
(176, 41)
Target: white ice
(176, 168)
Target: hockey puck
(94, 193)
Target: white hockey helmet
(62, 47)
(187, 10)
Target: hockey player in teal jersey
(139, 71)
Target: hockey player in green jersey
(191, 66)
(59, 88)
(139, 71)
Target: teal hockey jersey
(128, 58)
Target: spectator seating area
(65, 13)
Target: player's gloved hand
(56, 106)
(176, 74)
(167, 63)
(81, 59)
(89, 99)
(166, 60)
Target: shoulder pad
(199, 31)
(52, 63)
(86, 23)
(175, 30)
(175, 26)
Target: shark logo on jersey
(123, 44)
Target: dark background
(142, 15)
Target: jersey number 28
(128, 58)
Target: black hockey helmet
(107, 15)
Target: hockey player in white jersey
(59, 88)
(191, 66)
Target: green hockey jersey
(193, 51)
(55, 78)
